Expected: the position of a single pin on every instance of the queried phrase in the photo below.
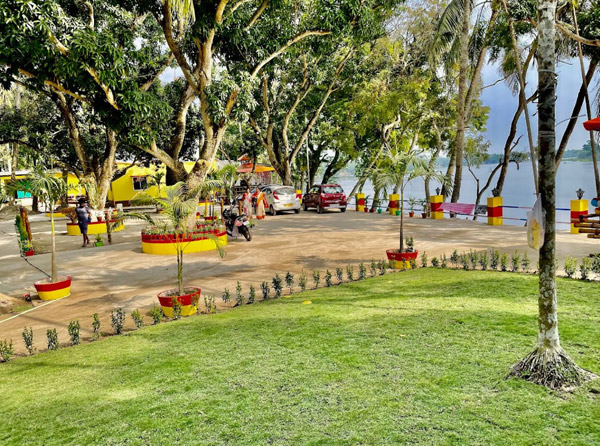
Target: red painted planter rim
(393, 254)
(186, 299)
(170, 238)
(92, 223)
(43, 285)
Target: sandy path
(122, 276)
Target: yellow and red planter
(188, 301)
(97, 227)
(53, 290)
(165, 244)
(401, 260)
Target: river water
(518, 189)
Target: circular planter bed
(53, 290)
(187, 301)
(165, 244)
(97, 227)
(401, 260)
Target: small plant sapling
(6, 350)
(454, 258)
(226, 296)
(117, 319)
(350, 273)
(373, 268)
(156, 314)
(265, 289)
(570, 266)
(413, 263)
(316, 278)
(277, 286)
(52, 337)
(515, 262)
(444, 261)
(177, 307)
(96, 325)
(464, 261)
(328, 278)
(494, 259)
(339, 274)
(435, 262)
(483, 260)
(362, 271)
(504, 262)
(302, 280)
(382, 266)
(585, 267)
(209, 304)
(424, 260)
(289, 281)
(28, 339)
(525, 262)
(596, 263)
(473, 259)
(239, 296)
(138, 319)
(410, 244)
(73, 330)
(252, 294)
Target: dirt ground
(121, 275)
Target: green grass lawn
(417, 357)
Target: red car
(325, 196)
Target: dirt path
(122, 276)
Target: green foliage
(444, 263)
(515, 261)
(350, 272)
(73, 330)
(277, 285)
(316, 278)
(302, 281)
(413, 263)
(381, 267)
(596, 263)
(289, 281)
(239, 295)
(483, 260)
(156, 313)
(424, 260)
(328, 277)
(362, 271)
(96, 325)
(6, 350)
(138, 319)
(265, 289)
(52, 337)
(435, 262)
(504, 262)
(28, 339)
(117, 319)
(226, 296)
(525, 262)
(570, 266)
(464, 261)
(473, 259)
(177, 308)
(585, 267)
(454, 258)
(339, 275)
(494, 259)
(210, 305)
(373, 268)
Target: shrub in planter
(28, 339)
(177, 308)
(99, 240)
(73, 330)
(413, 263)
(265, 289)
(138, 319)
(96, 325)
(277, 286)
(117, 319)
(6, 350)
(52, 337)
(289, 281)
(316, 278)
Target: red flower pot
(29, 253)
(187, 301)
(401, 259)
(411, 214)
(53, 290)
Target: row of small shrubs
(485, 260)
(587, 266)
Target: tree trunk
(54, 276)
(548, 364)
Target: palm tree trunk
(548, 364)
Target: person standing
(247, 203)
(83, 218)
(261, 202)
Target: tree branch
(564, 28)
(146, 86)
(257, 14)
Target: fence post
(435, 202)
(360, 202)
(578, 207)
(494, 210)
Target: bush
(73, 330)
(117, 319)
(289, 281)
(381, 266)
(515, 262)
(252, 294)
(373, 268)
(570, 266)
(177, 307)
(277, 286)
(156, 314)
(585, 267)
(350, 273)
(96, 325)
(424, 260)
(435, 262)
(316, 278)
(464, 261)
(138, 319)
(265, 289)
(525, 262)
(596, 263)
(362, 271)
(209, 304)
(52, 336)
(494, 259)
(473, 258)
(327, 278)
(226, 296)
(444, 262)
(413, 263)
(239, 296)
(483, 260)
(6, 350)
(503, 262)
(302, 280)
(339, 275)
(28, 339)
(454, 258)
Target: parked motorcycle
(236, 224)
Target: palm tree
(50, 189)
(397, 169)
(155, 179)
(179, 206)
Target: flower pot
(53, 290)
(398, 212)
(366, 209)
(411, 214)
(379, 211)
(187, 301)
(29, 252)
(424, 215)
(98, 244)
(401, 260)
(372, 210)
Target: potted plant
(179, 207)
(423, 204)
(27, 248)
(50, 189)
(99, 241)
(412, 201)
(397, 169)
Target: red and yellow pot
(53, 290)
(97, 227)
(401, 260)
(187, 301)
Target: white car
(281, 198)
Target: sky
(503, 105)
